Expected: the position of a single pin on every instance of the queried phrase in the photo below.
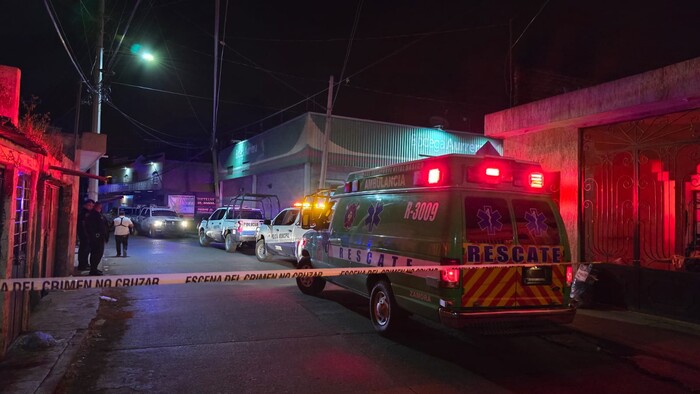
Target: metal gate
(20, 234)
(639, 183)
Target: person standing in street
(122, 228)
(98, 231)
(83, 238)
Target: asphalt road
(266, 336)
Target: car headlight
(184, 224)
(158, 223)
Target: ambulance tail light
(536, 180)
(449, 277)
(569, 275)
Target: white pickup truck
(236, 223)
(281, 235)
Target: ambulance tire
(230, 244)
(384, 313)
(309, 285)
(261, 251)
(203, 240)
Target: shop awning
(78, 173)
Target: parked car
(236, 223)
(154, 221)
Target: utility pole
(326, 136)
(214, 158)
(93, 184)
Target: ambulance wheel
(260, 251)
(203, 240)
(230, 243)
(383, 311)
(309, 285)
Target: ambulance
(495, 216)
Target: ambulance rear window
(536, 223)
(487, 221)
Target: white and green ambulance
(492, 215)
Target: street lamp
(148, 57)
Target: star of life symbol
(489, 220)
(536, 222)
(373, 213)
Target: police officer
(98, 232)
(122, 229)
(83, 238)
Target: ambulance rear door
(541, 240)
(488, 240)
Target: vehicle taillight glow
(450, 275)
(536, 180)
(434, 176)
(240, 227)
(569, 275)
(493, 171)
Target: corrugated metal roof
(355, 143)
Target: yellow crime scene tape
(106, 281)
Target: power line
(121, 39)
(182, 85)
(66, 45)
(528, 25)
(347, 51)
(385, 37)
(191, 95)
(144, 128)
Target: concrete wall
(557, 150)
(9, 93)
(185, 177)
(668, 89)
(286, 183)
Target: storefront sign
(205, 204)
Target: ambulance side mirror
(306, 220)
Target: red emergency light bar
(493, 171)
(537, 180)
(434, 176)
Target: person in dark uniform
(98, 232)
(83, 238)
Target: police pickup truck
(236, 223)
(281, 235)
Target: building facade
(286, 160)
(156, 180)
(629, 156)
(38, 207)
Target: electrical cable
(386, 37)
(144, 127)
(191, 95)
(182, 85)
(347, 51)
(121, 39)
(221, 66)
(528, 25)
(66, 46)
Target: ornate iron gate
(639, 181)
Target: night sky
(412, 62)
